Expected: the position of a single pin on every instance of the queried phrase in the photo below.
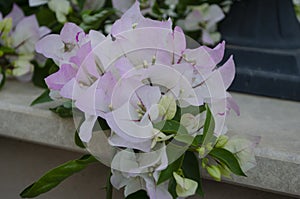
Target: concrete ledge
(276, 121)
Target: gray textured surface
(88, 184)
(276, 121)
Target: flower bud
(223, 139)
(214, 172)
(209, 146)
(201, 151)
(204, 162)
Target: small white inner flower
(134, 25)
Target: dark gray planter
(264, 36)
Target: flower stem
(109, 188)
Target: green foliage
(78, 141)
(46, 17)
(40, 73)
(227, 158)
(191, 170)
(3, 78)
(109, 187)
(94, 20)
(197, 140)
(168, 172)
(81, 3)
(141, 194)
(6, 50)
(103, 124)
(214, 172)
(55, 176)
(170, 127)
(209, 126)
(64, 110)
(44, 97)
(194, 110)
(172, 187)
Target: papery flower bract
(185, 187)
(243, 148)
(60, 78)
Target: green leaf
(63, 111)
(109, 187)
(198, 140)
(55, 176)
(170, 127)
(168, 172)
(227, 158)
(78, 141)
(209, 126)
(94, 20)
(103, 124)
(40, 73)
(81, 3)
(177, 116)
(194, 110)
(184, 138)
(191, 170)
(44, 97)
(172, 187)
(141, 194)
(2, 77)
(7, 50)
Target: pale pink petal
(72, 90)
(51, 46)
(206, 38)
(97, 98)
(122, 5)
(71, 33)
(231, 104)
(16, 14)
(131, 16)
(227, 72)
(26, 34)
(123, 65)
(123, 122)
(133, 19)
(96, 38)
(215, 15)
(217, 53)
(86, 128)
(148, 95)
(57, 80)
(44, 31)
(118, 141)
